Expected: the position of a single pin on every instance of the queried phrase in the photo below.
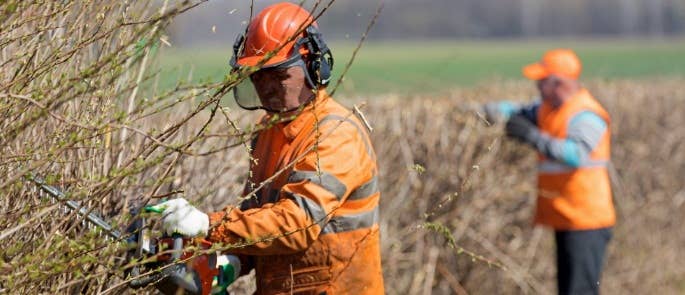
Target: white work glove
(182, 218)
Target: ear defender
(237, 49)
(320, 59)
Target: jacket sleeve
(315, 189)
(506, 109)
(585, 131)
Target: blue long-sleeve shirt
(585, 130)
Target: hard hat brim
(253, 61)
(535, 72)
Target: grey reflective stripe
(548, 166)
(345, 223)
(323, 179)
(315, 212)
(359, 129)
(365, 190)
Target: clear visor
(246, 96)
(264, 89)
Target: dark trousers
(580, 255)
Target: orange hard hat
(559, 62)
(277, 26)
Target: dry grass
(495, 178)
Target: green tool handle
(154, 209)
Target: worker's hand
(492, 112)
(182, 218)
(520, 128)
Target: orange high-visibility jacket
(315, 216)
(574, 198)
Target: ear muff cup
(323, 71)
(319, 71)
(319, 60)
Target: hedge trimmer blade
(89, 217)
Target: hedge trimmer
(162, 261)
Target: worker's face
(549, 90)
(281, 89)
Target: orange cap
(560, 62)
(271, 29)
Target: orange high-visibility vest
(316, 214)
(574, 198)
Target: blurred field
(436, 66)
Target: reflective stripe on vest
(553, 167)
(335, 186)
(345, 223)
(322, 179)
(336, 224)
(313, 210)
(365, 190)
